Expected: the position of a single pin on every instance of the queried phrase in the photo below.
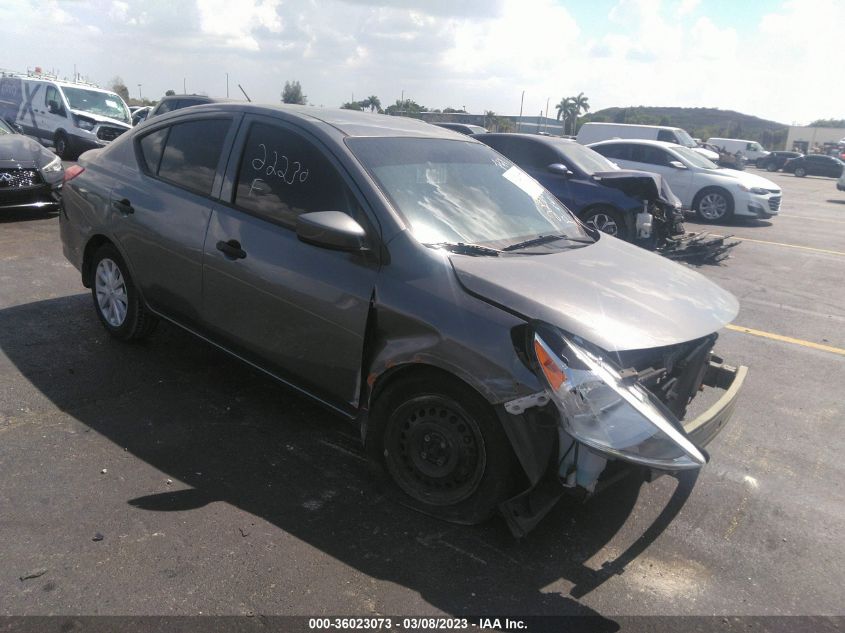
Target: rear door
(658, 160)
(298, 310)
(162, 205)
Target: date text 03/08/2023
(415, 623)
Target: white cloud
(477, 53)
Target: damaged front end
(623, 407)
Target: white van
(595, 132)
(751, 150)
(72, 117)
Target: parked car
(494, 351)
(594, 132)
(751, 151)
(840, 184)
(776, 160)
(815, 165)
(140, 115)
(71, 117)
(177, 102)
(30, 174)
(574, 174)
(463, 128)
(714, 193)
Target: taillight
(72, 172)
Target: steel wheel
(713, 206)
(112, 297)
(435, 451)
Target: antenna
(245, 94)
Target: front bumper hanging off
(525, 510)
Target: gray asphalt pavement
(217, 491)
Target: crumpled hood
(612, 294)
(99, 118)
(642, 185)
(19, 150)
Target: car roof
(351, 123)
(548, 141)
(638, 141)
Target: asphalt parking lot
(217, 491)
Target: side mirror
(331, 229)
(560, 169)
(677, 164)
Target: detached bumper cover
(525, 510)
(706, 426)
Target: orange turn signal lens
(553, 373)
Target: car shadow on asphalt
(231, 434)
(26, 215)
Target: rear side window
(283, 175)
(191, 153)
(152, 146)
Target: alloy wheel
(713, 206)
(604, 223)
(112, 297)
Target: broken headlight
(612, 413)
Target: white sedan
(714, 193)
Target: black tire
(602, 218)
(443, 448)
(800, 172)
(771, 166)
(63, 148)
(706, 205)
(137, 321)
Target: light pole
(519, 123)
(139, 93)
(227, 85)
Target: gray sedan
(495, 352)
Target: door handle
(123, 206)
(231, 249)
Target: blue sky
(770, 58)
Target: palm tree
(373, 103)
(489, 119)
(563, 110)
(582, 104)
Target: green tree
(372, 102)
(118, 86)
(351, 105)
(170, 93)
(564, 109)
(292, 93)
(580, 104)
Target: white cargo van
(595, 132)
(751, 150)
(72, 117)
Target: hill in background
(699, 122)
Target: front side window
(614, 150)
(283, 175)
(52, 95)
(650, 155)
(455, 191)
(666, 135)
(191, 153)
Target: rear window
(191, 153)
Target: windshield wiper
(466, 249)
(544, 239)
